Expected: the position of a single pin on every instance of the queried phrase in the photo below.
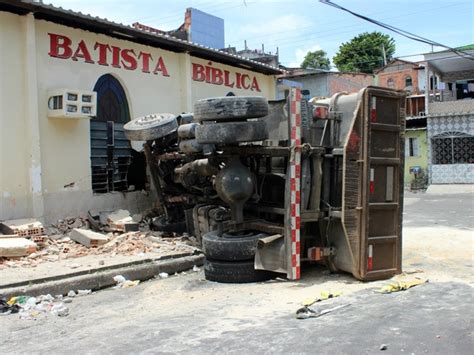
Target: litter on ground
(122, 282)
(324, 295)
(307, 312)
(402, 282)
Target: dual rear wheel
(230, 257)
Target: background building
(401, 75)
(440, 97)
(323, 83)
(450, 115)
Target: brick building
(322, 83)
(401, 75)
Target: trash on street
(401, 283)
(31, 307)
(122, 282)
(307, 312)
(324, 295)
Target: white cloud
(300, 53)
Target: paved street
(186, 314)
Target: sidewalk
(450, 189)
(61, 264)
(92, 272)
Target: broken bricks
(25, 227)
(119, 220)
(13, 247)
(88, 238)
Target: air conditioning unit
(70, 103)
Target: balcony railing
(459, 106)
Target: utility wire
(329, 33)
(401, 32)
(276, 34)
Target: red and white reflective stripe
(372, 180)
(370, 263)
(295, 182)
(373, 110)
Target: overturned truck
(267, 186)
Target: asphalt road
(186, 314)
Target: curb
(102, 278)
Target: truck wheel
(230, 108)
(231, 247)
(231, 132)
(150, 127)
(161, 224)
(234, 272)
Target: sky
(298, 26)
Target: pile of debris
(26, 243)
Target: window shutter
(415, 147)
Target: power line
(401, 32)
(293, 40)
(298, 29)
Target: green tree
(316, 60)
(365, 52)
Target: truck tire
(231, 132)
(161, 224)
(230, 108)
(234, 272)
(230, 247)
(150, 127)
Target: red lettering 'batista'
(59, 46)
(82, 52)
(145, 61)
(103, 49)
(160, 67)
(128, 59)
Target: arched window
(112, 104)
(391, 83)
(453, 148)
(408, 81)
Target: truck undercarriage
(265, 186)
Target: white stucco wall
(64, 145)
(14, 147)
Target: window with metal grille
(453, 148)
(411, 147)
(110, 150)
(408, 81)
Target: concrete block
(25, 227)
(8, 236)
(118, 220)
(88, 237)
(11, 247)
